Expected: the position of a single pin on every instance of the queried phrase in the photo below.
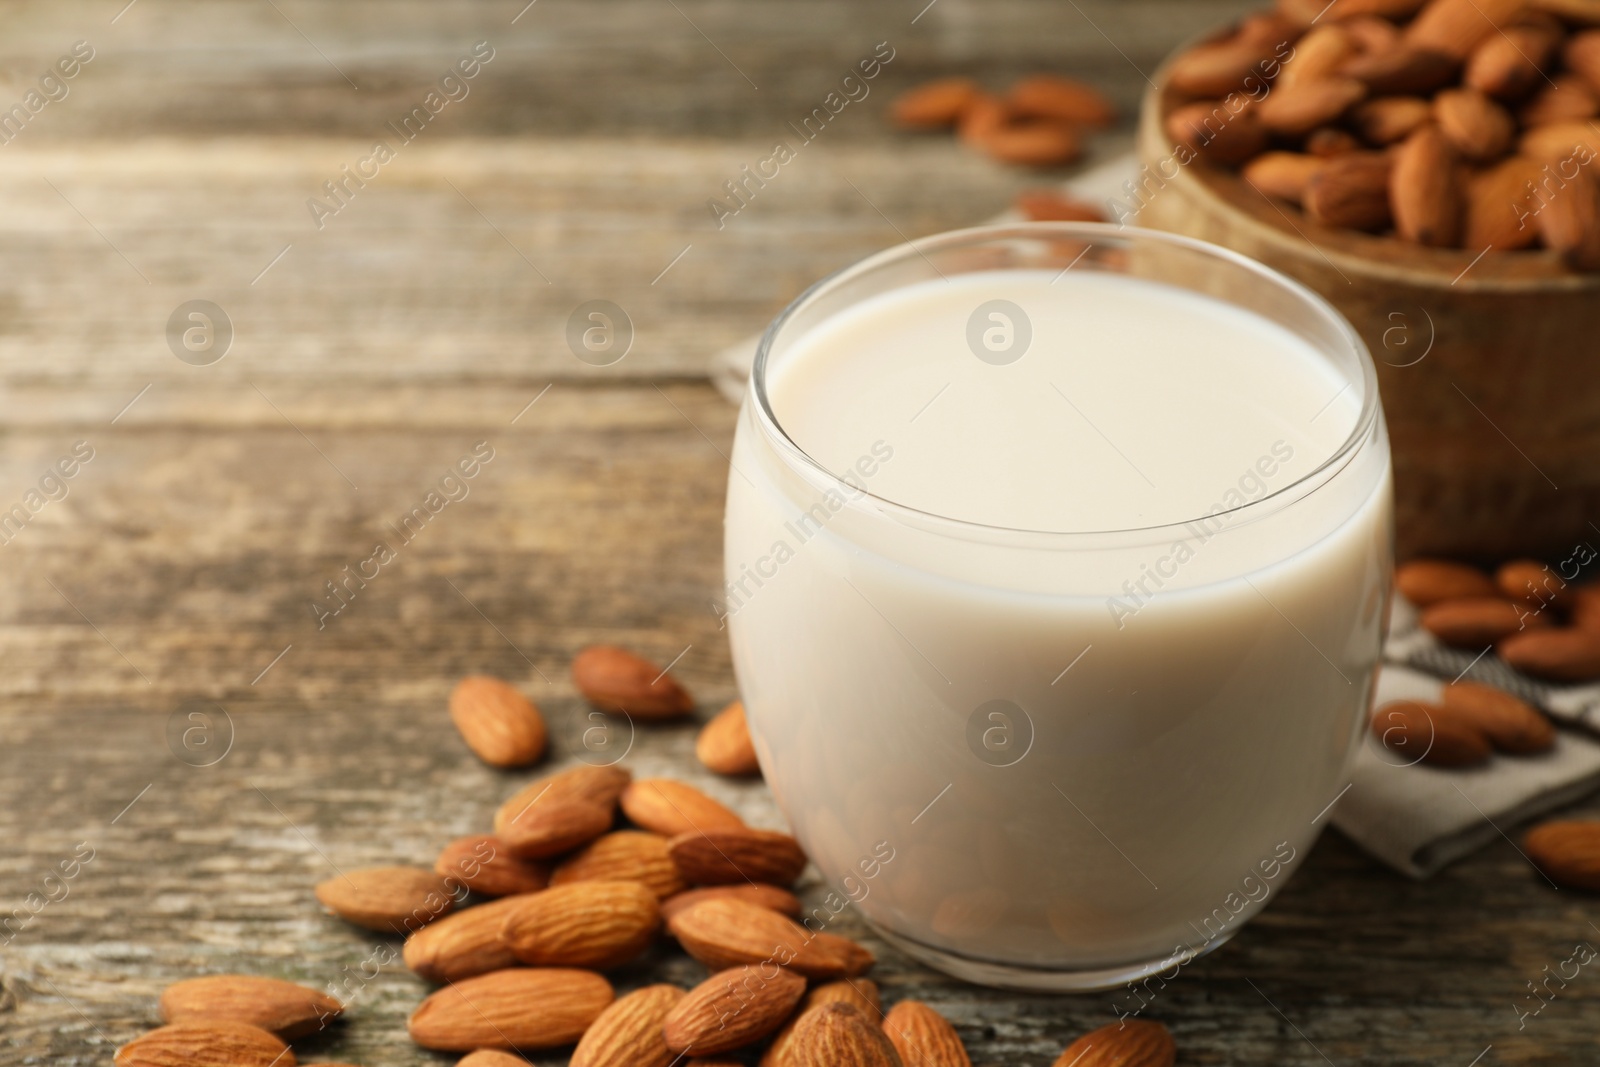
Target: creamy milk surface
(1078, 750)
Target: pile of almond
(588, 869)
(1039, 122)
(1448, 123)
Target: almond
(1457, 27)
(628, 1033)
(730, 933)
(724, 744)
(498, 723)
(1218, 68)
(1297, 110)
(767, 896)
(1282, 174)
(586, 924)
(1426, 190)
(1531, 582)
(485, 865)
(1426, 582)
(1371, 33)
(1567, 99)
(623, 856)
(1050, 96)
(394, 900)
(671, 808)
(1560, 140)
(1406, 69)
(462, 945)
(1559, 655)
(1217, 134)
(933, 105)
(732, 1009)
(859, 993)
(1500, 205)
(1510, 724)
(1032, 144)
(1569, 220)
(1480, 129)
(1510, 65)
(923, 1036)
(1389, 119)
(1319, 54)
(1582, 53)
(614, 679)
(1568, 851)
(561, 812)
(1129, 1043)
(526, 1008)
(738, 854)
(836, 1035)
(1473, 622)
(489, 1057)
(284, 1008)
(1351, 192)
(212, 1043)
(1430, 733)
(1046, 205)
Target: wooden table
(177, 574)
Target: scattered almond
(1047, 205)
(1559, 655)
(390, 899)
(1129, 1043)
(1426, 582)
(623, 856)
(284, 1008)
(767, 896)
(730, 933)
(485, 865)
(524, 1007)
(628, 1033)
(732, 1009)
(1426, 192)
(671, 808)
(462, 945)
(738, 854)
(724, 744)
(1473, 622)
(1511, 725)
(205, 1044)
(836, 1035)
(1032, 144)
(1050, 96)
(1568, 851)
(859, 993)
(586, 924)
(498, 723)
(1531, 582)
(1430, 733)
(933, 105)
(1584, 607)
(923, 1036)
(557, 814)
(614, 679)
(488, 1057)
(984, 115)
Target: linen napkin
(1416, 818)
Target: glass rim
(1111, 235)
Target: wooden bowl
(1489, 368)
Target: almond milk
(1085, 634)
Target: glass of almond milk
(1057, 559)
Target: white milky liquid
(1082, 751)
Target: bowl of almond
(1431, 167)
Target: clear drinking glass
(1012, 783)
